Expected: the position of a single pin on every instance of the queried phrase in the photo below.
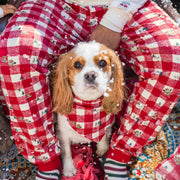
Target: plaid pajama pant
(151, 46)
(40, 30)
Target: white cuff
(115, 19)
(1, 12)
(120, 12)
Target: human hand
(8, 9)
(106, 36)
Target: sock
(115, 170)
(48, 175)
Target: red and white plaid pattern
(169, 169)
(89, 119)
(40, 30)
(151, 46)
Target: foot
(68, 168)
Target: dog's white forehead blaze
(88, 50)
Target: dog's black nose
(90, 76)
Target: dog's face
(90, 70)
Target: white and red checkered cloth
(89, 119)
(151, 46)
(40, 30)
(169, 169)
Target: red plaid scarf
(89, 119)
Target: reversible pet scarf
(89, 119)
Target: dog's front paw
(101, 148)
(69, 170)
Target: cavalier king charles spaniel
(87, 93)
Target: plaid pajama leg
(38, 31)
(150, 45)
(24, 54)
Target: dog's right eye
(77, 65)
(102, 63)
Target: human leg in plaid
(38, 32)
(150, 45)
(24, 82)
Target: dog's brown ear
(62, 93)
(112, 103)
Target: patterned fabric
(38, 35)
(86, 162)
(144, 167)
(89, 119)
(151, 48)
(40, 30)
(169, 169)
(172, 129)
(115, 170)
(128, 5)
(49, 175)
(14, 166)
(90, 3)
(120, 8)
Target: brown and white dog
(89, 72)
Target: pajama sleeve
(120, 12)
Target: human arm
(6, 9)
(111, 25)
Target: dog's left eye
(102, 63)
(77, 65)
